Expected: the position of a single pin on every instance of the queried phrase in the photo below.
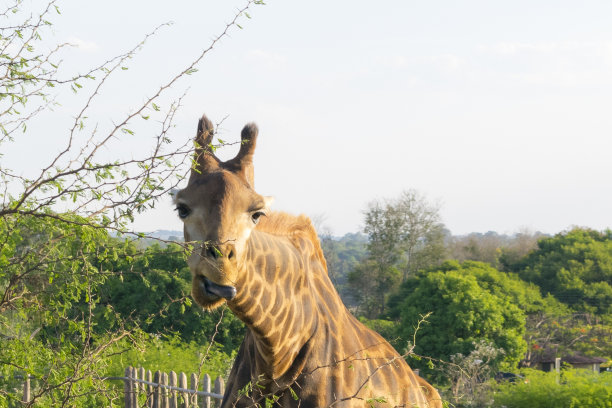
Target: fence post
(149, 389)
(194, 386)
(142, 388)
(184, 395)
(219, 388)
(26, 388)
(206, 388)
(135, 386)
(174, 397)
(127, 388)
(157, 390)
(165, 391)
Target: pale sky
(500, 111)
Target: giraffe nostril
(230, 255)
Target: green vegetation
(572, 389)
(78, 303)
(466, 309)
(172, 354)
(575, 267)
(514, 299)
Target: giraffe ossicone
(302, 347)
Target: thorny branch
(80, 189)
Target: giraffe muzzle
(213, 289)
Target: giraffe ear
(204, 158)
(243, 162)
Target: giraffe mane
(293, 227)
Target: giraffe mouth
(216, 290)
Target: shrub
(574, 389)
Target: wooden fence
(144, 389)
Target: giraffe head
(219, 209)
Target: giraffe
(302, 347)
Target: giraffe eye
(256, 215)
(183, 211)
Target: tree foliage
(464, 311)
(562, 333)
(575, 267)
(372, 286)
(342, 256)
(153, 291)
(404, 236)
(405, 233)
(492, 248)
(49, 278)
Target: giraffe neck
(276, 303)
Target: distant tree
(575, 267)
(492, 248)
(421, 233)
(342, 256)
(521, 244)
(372, 285)
(405, 233)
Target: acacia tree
(55, 251)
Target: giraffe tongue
(227, 292)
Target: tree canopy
(575, 267)
(465, 309)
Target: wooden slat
(219, 389)
(165, 392)
(149, 389)
(194, 386)
(142, 389)
(127, 388)
(206, 388)
(156, 390)
(184, 396)
(174, 396)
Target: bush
(171, 354)
(575, 389)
